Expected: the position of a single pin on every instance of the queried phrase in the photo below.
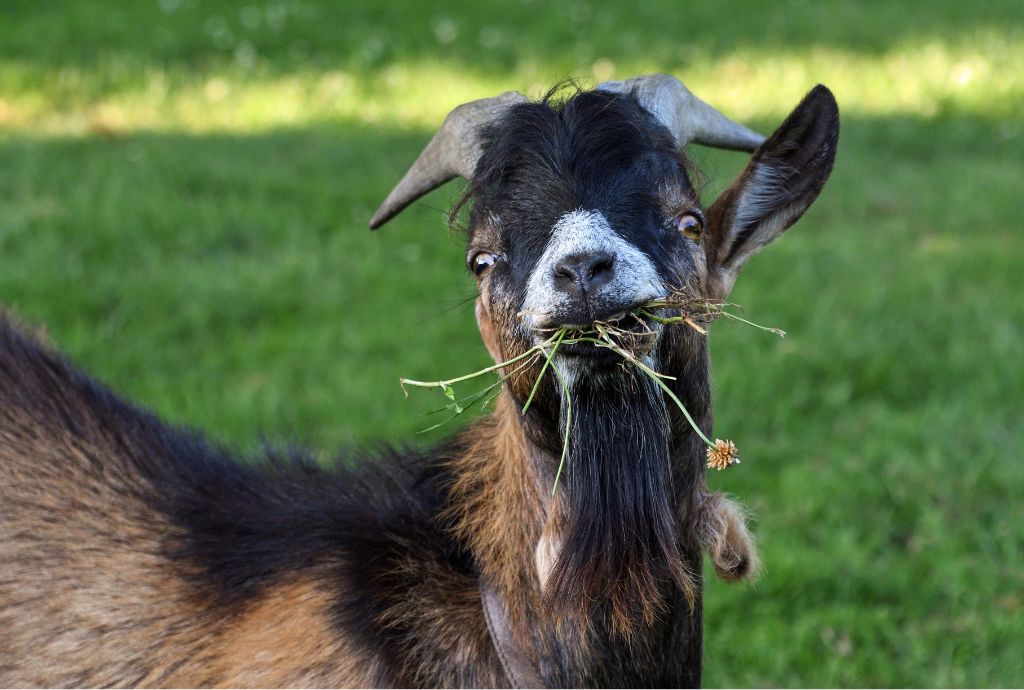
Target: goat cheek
(484, 324)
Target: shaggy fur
(134, 553)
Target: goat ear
(783, 177)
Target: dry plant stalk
(697, 312)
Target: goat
(136, 553)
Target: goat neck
(607, 561)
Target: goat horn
(453, 152)
(686, 116)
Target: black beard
(620, 544)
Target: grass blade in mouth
(694, 311)
(630, 345)
(547, 362)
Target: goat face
(585, 210)
(578, 217)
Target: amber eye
(690, 225)
(480, 262)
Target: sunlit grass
(184, 192)
(981, 75)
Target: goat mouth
(590, 354)
(627, 331)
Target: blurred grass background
(184, 191)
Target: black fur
(621, 540)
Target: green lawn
(184, 191)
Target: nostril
(565, 272)
(580, 273)
(566, 279)
(600, 265)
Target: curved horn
(686, 116)
(453, 152)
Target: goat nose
(584, 273)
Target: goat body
(136, 553)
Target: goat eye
(480, 262)
(690, 225)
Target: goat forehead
(594, 150)
(543, 206)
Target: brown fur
(84, 553)
(725, 537)
(500, 515)
(284, 639)
(90, 595)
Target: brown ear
(783, 177)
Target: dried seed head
(723, 454)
